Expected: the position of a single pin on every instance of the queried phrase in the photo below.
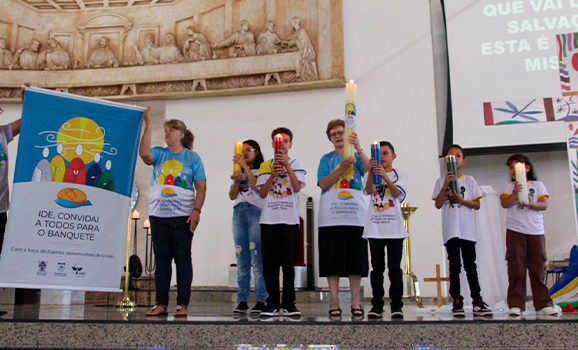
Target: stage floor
(213, 325)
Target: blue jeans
(247, 237)
(172, 239)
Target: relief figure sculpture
(150, 53)
(6, 56)
(28, 58)
(306, 65)
(169, 52)
(241, 43)
(102, 56)
(268, 42)
(196, 47)
(55, 57)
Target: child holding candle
(384, 229)
(279, 181)
(459, 231)
(246, 230)
(525, 241)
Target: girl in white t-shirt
(525, 242)
(246, 229)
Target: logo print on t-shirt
(280, 188)
(382, 199)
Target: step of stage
(145, 295)
(213, 326)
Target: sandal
(357, 312)
(157, 310)
(180, 311)
(335, 312)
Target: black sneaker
(2, 313)
(458, 308)
(258, 308)
(241, 308)
(270, 311)
(396, 314)
(375, 313)
(291, 311)
(481, 309)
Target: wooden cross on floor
(438, 279)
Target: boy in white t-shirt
(384, 229)
(279, 181)
(459, 232)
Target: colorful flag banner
(70, 200)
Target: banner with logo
(70, 200)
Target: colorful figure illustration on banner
(94, 172)
(568, 62)
(58, 165)
(80, 145)
(43, 170)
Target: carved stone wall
(177, 48)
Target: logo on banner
(72, 198)
(60, 269)
(42, 268)
(77, 270)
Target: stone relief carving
(102, 56)
(193, 50)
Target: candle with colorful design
(520, 169)
(278, 143)
(350, 118)
(376, 154)
(451, 166)
(238, 150)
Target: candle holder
(149, 260)
(126, 304)
(412, 282)
(132, 285)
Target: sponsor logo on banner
(42, 268)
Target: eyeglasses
(250, 150)
(336, 133)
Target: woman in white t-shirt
(525, 242)
(246, 229)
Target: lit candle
(135, 214)
(238, 150)
(146, 224)
(350, 118)
(278, 143)
(520, 169)
(451, 166)
(376, 154)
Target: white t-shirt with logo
(526, 220)
(457, 219)
(247, 194)
(384, 217)
(281, 204)
(5, 137)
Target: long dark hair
(258, 155)
(521, 158)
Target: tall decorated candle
(278, 143)
(376, 154)
(238, 150)
(520, 169)
(451, 166)
(350, 118)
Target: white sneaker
(547, 311)
(515, 311)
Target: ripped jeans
(247, 237)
